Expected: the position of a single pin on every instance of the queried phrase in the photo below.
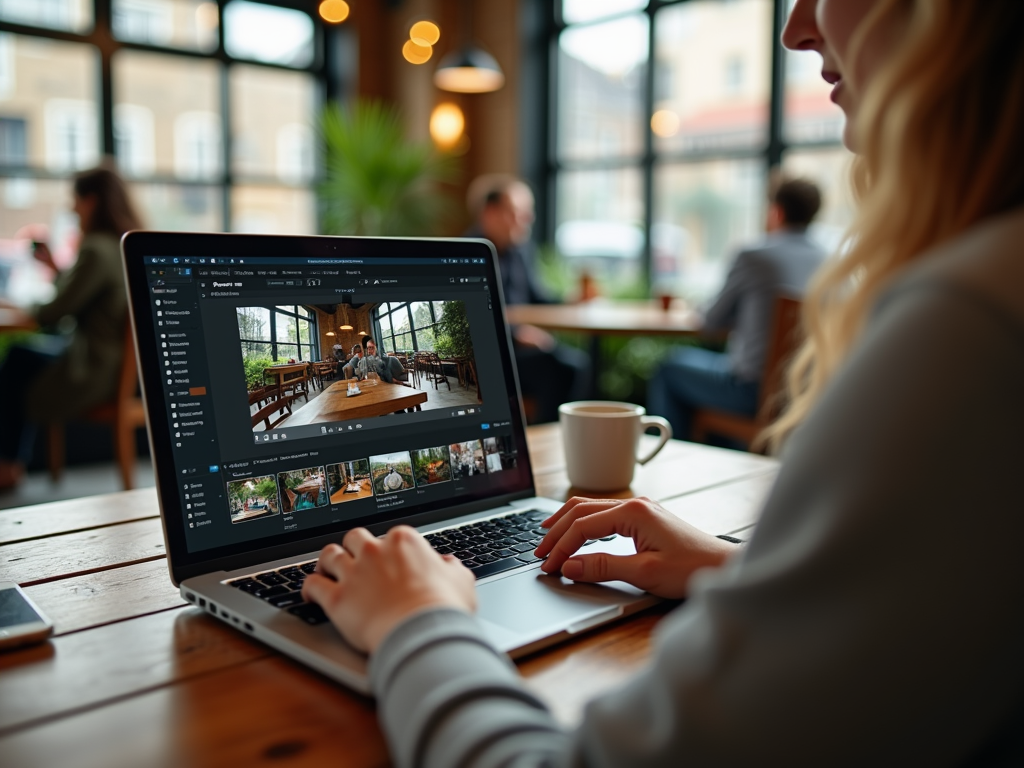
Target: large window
(208, 106)
(409, 326)
(668, 117)
(281, 334)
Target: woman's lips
(835, 79)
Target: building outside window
(663, 137)
(212, 138)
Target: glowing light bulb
(665, 123)
(446, 125)
(334, 11)
(425, 33)
(415, 53)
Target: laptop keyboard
(486, 548)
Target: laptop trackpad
(531, 603)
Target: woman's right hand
(668, 550)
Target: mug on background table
(601, 440)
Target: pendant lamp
(345, 324)
(469, 69)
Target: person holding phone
(875, 617)
(58, 376)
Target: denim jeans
(695, 378)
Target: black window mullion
(776, 114)
(648, 157)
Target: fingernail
(572, 569)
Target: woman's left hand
(368, 586)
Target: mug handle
(666, 434)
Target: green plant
(254, 370)
(378, 182)
(453, 338)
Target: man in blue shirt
(782, 264)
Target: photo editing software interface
(283, 419)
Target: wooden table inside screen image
(600, 317)
(136, 676)
(334, 404)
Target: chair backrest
(786, 337)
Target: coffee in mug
(601, 440)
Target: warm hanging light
(346, 325)
(447, 124)
(334, 11)
(471, 69)
(330, 326)
(425, 33)
(415, 53)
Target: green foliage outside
(453, 338)
(254, 366)
(377, 181)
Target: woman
(53, 378)
(876, 615)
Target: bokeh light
(415, 53)
(447, 124)
(334, 11)
(665, 123)
(425, 33)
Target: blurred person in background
(57, 376)
(782, 264)
(550, 373)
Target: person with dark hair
(550, 373)
(56, 376)
(782, 264)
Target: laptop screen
(297, 388)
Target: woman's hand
(41, 253)
(668, 550)
(368, 586)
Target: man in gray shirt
(781, 265)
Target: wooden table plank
(726, 508)
(94, 599)
(271, 712)
(334, 404)
(608, 318)
(115, 660)
(22, 523)
(39, 560)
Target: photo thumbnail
(253, 499)
(432, 465)
(328, 363)
(391, 473)
(467, 459)
(500, 453)
(303, 489)
(349, 480)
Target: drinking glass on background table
(372, 378)
(601, 440)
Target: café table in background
(603, 317)
(135, 676)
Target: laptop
(264, 452)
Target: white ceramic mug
(601, 440)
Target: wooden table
(601, 317)
(334, 404)
(135, 677)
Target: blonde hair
(937, 131)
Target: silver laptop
(264, 452)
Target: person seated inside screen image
(781, 265)
(348, 369)
(57, 376)
(387, 368)
(550, 373)
(876, 614)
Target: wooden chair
(782, 344)
(124, 414)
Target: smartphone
(21, 622)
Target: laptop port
(247, 626)
(202, 602)
(213, 608)
(190, 597)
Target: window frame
(385, 341)
(328, 41)
(539, 122)
(313, 347)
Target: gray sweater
(782, 264)
(876, 616)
